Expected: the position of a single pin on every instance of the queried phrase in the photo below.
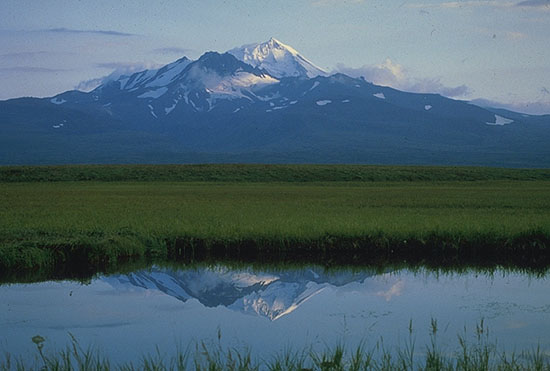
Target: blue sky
(495, 50)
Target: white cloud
(544, 4)
(173, 50)
(540, 107)
(464, 4)
(395, 75)
(395, 290)
(335, 2)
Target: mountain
(266, 294)
(278, 59)
(268, 105)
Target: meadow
(93, 217)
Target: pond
(269, 310)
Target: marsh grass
(91, 218)
(94, 226)
(481, 354)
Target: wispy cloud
(464, 4)
(335, 2)
(24, 54)
(506, 35)
(96, 32)
(395, 75)
(24, 69)
(535, 3)
(129, 66)
(172, 51)
(539, 4)
(539, 107)
(395, 290)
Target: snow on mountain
(265, 294)
(227, 85)
(500, 121)
(278, 299)
(216, 77)
(278, 59)
(154, 78)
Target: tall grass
(90, 225)
(479, 354)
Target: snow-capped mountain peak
(154, 78)
(279, 59)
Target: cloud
(512, 35)
(395, 290)
(24, 54)
(535, 3)
(119, 69)
(335, 2)
(540, 107)
(464, 4)
(24, 69)
(540, 4)
(172, 51)
(395, 75)
(96, 32)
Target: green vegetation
(479, 354)
(57, 227)
(263, 173)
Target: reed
(479, 354)
(85, 226)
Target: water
(267, 311)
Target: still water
(267, 311)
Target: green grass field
(324, 217)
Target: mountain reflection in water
(271, 309)
(267, 294)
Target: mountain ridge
(220, 109)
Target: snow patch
(266, 98)
(154, 93)
(152, 111)
(380, 95)
(275, 108)
(58, 100)
(134, 81)
(427, 107)
(168, 73)
(323, 102)
(237, 110)
(500, 121)
(293, 102)
(167, 110)
(315, 84)
(237, 86)
(345, 101)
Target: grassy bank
(474, 352)
(90, 225)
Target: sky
(494, 50)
